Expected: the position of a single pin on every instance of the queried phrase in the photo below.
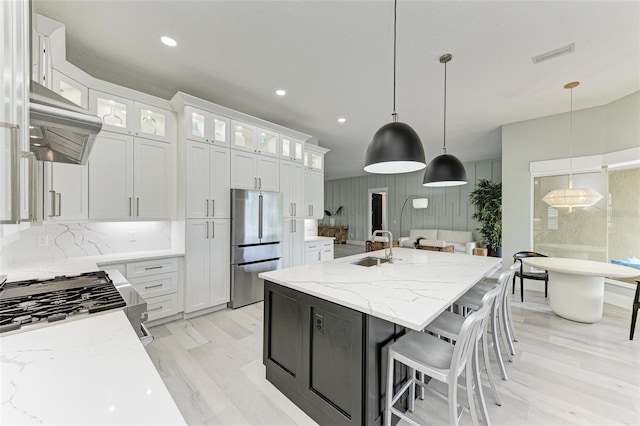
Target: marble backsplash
(65, 240)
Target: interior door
(376, 212)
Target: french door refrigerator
(256, 242)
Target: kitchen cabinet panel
(204, 126)
(198, 177)
(70, 89)
(314, 194)
(291, 149)
(111, 177)
(292, 242)
(292, 188)
(253, 171)
(207, 263)
(268, 173)
(130, 178)
(66, 192)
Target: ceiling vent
(569, 48)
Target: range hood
(60, 131)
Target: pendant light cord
(571, 138)
(395, 19)
(444, 126)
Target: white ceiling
(334, 58)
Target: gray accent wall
(608, 128)
(449, 208)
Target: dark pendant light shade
(395, 148)
(445, 169)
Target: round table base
(576, 297)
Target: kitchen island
(327, 326)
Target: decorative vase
(332, 222)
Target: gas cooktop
(30, 302)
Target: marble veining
(411, 291)
(93, 370)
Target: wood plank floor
(563, 373)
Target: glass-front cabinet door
(243, 136)
(204, 126)
(314, 158)
(70, 89)
(268, 143)
(291, 148)
(112, 110)
(154, 123)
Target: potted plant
(487, 202)
(332, 220)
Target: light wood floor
(564, 373)
(342, 250)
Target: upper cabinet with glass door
(70, 89)
(291, 148)
(314, 157)
(250, 138)
(204, 126)
(134, 118)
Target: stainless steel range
(37, 303)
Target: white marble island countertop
(411, 291)
(82, 372)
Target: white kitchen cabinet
(292, 188)
(311, 252)
(314, 194)
(208, 181)
(15, 181)
(204, 126)
(314, 157)
(207, 263)
(326, 250)
(292, 242)
(291, 149)
(254, 171)
(70, 89)
(66, 192)
(123, 115)
(250, 138)
(157, 281)
(130, 178)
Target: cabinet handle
(295, 208)
(52, 202)
(147, 287)
(259, 183)
(290, 226)
(130, 206)
(33, 190)
(213, 208)
(148, 268)
(59, 203)
(290, 209)
(137, 206)
(213, 229)
(207, 229)
(207, 201)
(154, 309)
(255, 183)
(295, 226)
(15, 172)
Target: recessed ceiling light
(341, 120)
(281, 92)
(168, 41)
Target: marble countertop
(76, 265)
(88, 371)
(317, 238)
(581, 267)
(412, 291)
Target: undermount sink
(369, 261)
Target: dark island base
(331, 361)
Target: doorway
(377, 201)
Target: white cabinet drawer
(312, 246)
(155, 285)
(162, 306)
(326, 254)
(151, 267)
(327, 245)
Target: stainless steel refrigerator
(256, 242)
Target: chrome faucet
(390, 255)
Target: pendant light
(445, 169)
(572, 197)
(395, 147)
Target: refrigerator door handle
(260, 201)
